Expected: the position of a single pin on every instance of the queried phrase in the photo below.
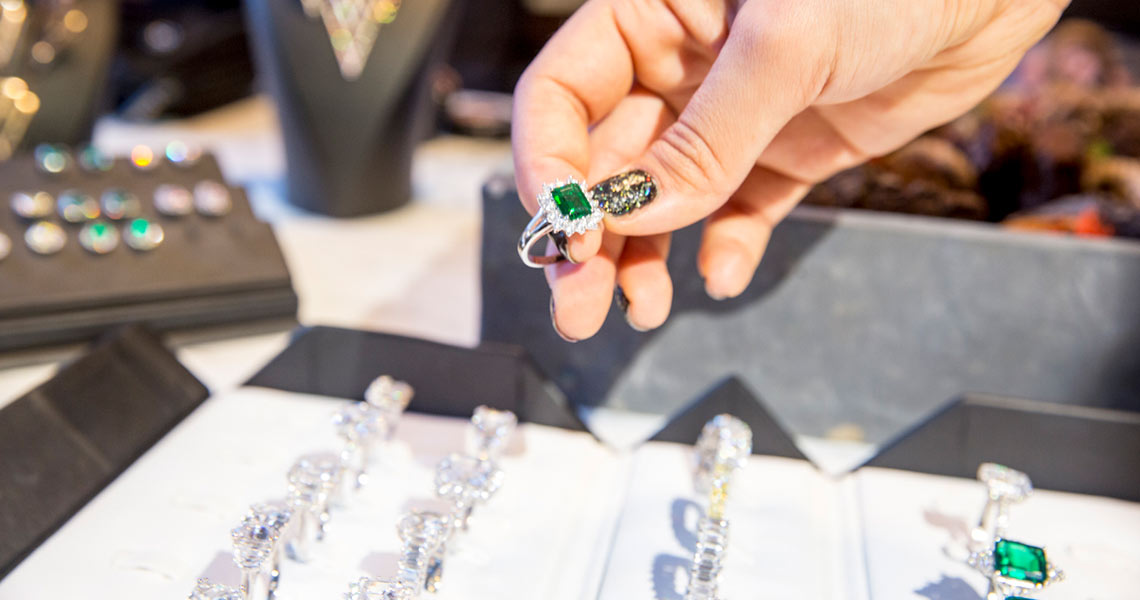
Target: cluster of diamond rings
(465, 481)
(315, 482)
(722, 449)
(1015, 569)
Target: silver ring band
(537, 229)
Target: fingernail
(625, 193)
(712, 294)
(554, 324)
(623, 303)
(560, 242)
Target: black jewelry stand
(71, 89)
(349, 144)
(64, 441)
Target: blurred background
(223, 170)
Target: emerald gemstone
(571, 201)
(1020, 561)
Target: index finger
(579, 77)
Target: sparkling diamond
(389, 395)
(182, 154)
(424, 526)
(253, 542)
(489, 432)
(173, 200)
(212, 199)
(312, 477)
(75, 206)
(369, 588)
(205, 590)
(466, 478)
(92, 160)
(32, 205)
(352, 26)
(45, 238)
(724, 445)
(360, 422)
(1005, 483)
(143, 235)
(567, 208)
(120, 204)
(52, 159)
(99, 237)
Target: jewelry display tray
(208, 270)
(575, 518)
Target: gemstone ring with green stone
(563, 207)
(1015, 569)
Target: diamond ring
(563, 207)
(371, 588)
(723, 447)
(360, 426)
(466, 481)
(424, 534)
(391, 397)
(312, 480)
(257, 548)
(489, 432)
(1004, 486)
(205, 590)
(1015, 569)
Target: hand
(735, 113)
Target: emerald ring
(563, 207)
(1004, 487)
(1015, 569)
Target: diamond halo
(562, 223)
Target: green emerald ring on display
(565, 208)
(1015, 569)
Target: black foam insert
(1061, 447)
(64, 441)
(448, 380)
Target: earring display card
(166, 521)
(915, 529)
(214, 262)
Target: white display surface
(785, 530)
(575, 519)
(915, 529)
(166, 521)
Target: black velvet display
(64, 441)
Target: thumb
(771, 67)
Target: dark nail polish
(560, 242)
(622, 302)
(554, 324)
(621, 299)
(625, 193)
